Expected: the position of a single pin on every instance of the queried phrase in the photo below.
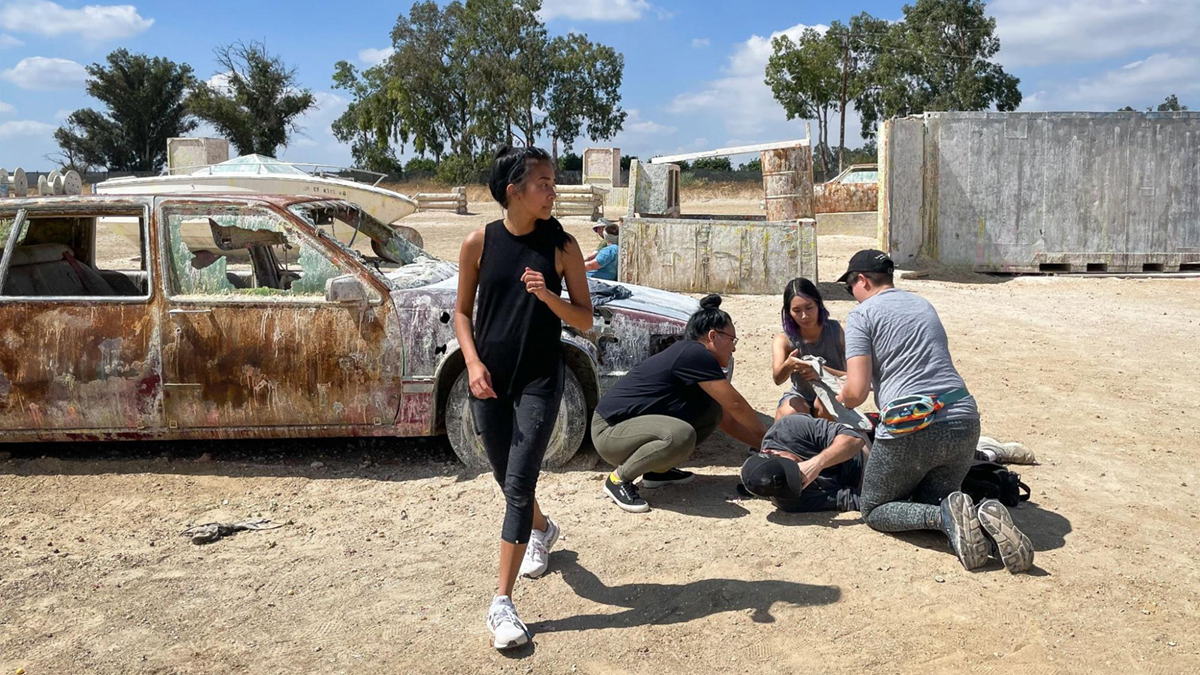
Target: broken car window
(242, 251)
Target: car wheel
(565, 440)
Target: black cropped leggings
(515, 431)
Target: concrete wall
(1028, 192)
(185, 155)
(716, 255)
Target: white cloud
(220, 81)
(699, 43)
(741, 99)
(7, 41)
(24, 128)
(374, 57)
(7, 108)
(40, 72)
(91, 22)
(596, 10)
(1139, 84)
(1036, 32)
(634, 124)
(63, 114)
(315, 142)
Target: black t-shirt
(667, 383)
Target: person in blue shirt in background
(603, 263)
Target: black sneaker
(651, 479)
(626, 495)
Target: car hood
(437, 275)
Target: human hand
(802, 368)
(535, 283)
(809, 470)
(480, 381)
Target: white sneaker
(507, 629)
(537, 554)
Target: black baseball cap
(869, 260)
(772, 476)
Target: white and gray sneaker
(537, 553)
(508, 630)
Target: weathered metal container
(717, 254)
(1043, 192)
(602, 166)
(653, 189)
(787, 182)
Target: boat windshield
(360, 232)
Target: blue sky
(693, 69)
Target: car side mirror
(346, 290)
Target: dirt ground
(387, 561)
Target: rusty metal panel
(78, 365)
(701, 255)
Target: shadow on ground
(657, 604)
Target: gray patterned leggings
(922, 467)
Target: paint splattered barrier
(1043, 192)
(717, 254)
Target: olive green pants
(651, 443)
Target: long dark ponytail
(710, 316)
(511, 167)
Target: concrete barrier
(1042, 192)
(653, 189)
(455, 200)
(717, 254)
(579, 200)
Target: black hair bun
(710, 301)
(503, 150)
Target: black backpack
(988, 480)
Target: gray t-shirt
(806, 436)
(910, 354)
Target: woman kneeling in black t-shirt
(652, 419)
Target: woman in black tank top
(516, 268)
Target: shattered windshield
(385, 248)
(360, 232)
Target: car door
(250, 339)
(78, 330)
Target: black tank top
(517, 335)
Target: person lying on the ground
(652, 419)
(807, 464)
(929, 423)
(602, 264)
(807, 331)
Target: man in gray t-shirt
(895, 343)
(807, 464)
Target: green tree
(626, 160)
(1171, 104)
(937, 58)
(419, 165)
(145, 99)
(368, 123)
(754, 165)
(259, 107)
(804, 77)
(570, 162)
(584, 83)
(712, 164)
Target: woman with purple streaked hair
(807, 331)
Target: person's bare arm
(590, 264)
(740, 420)
(464, 309)
(578, 312)
(843, 448)
(858, 381)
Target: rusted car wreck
(276, 330)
